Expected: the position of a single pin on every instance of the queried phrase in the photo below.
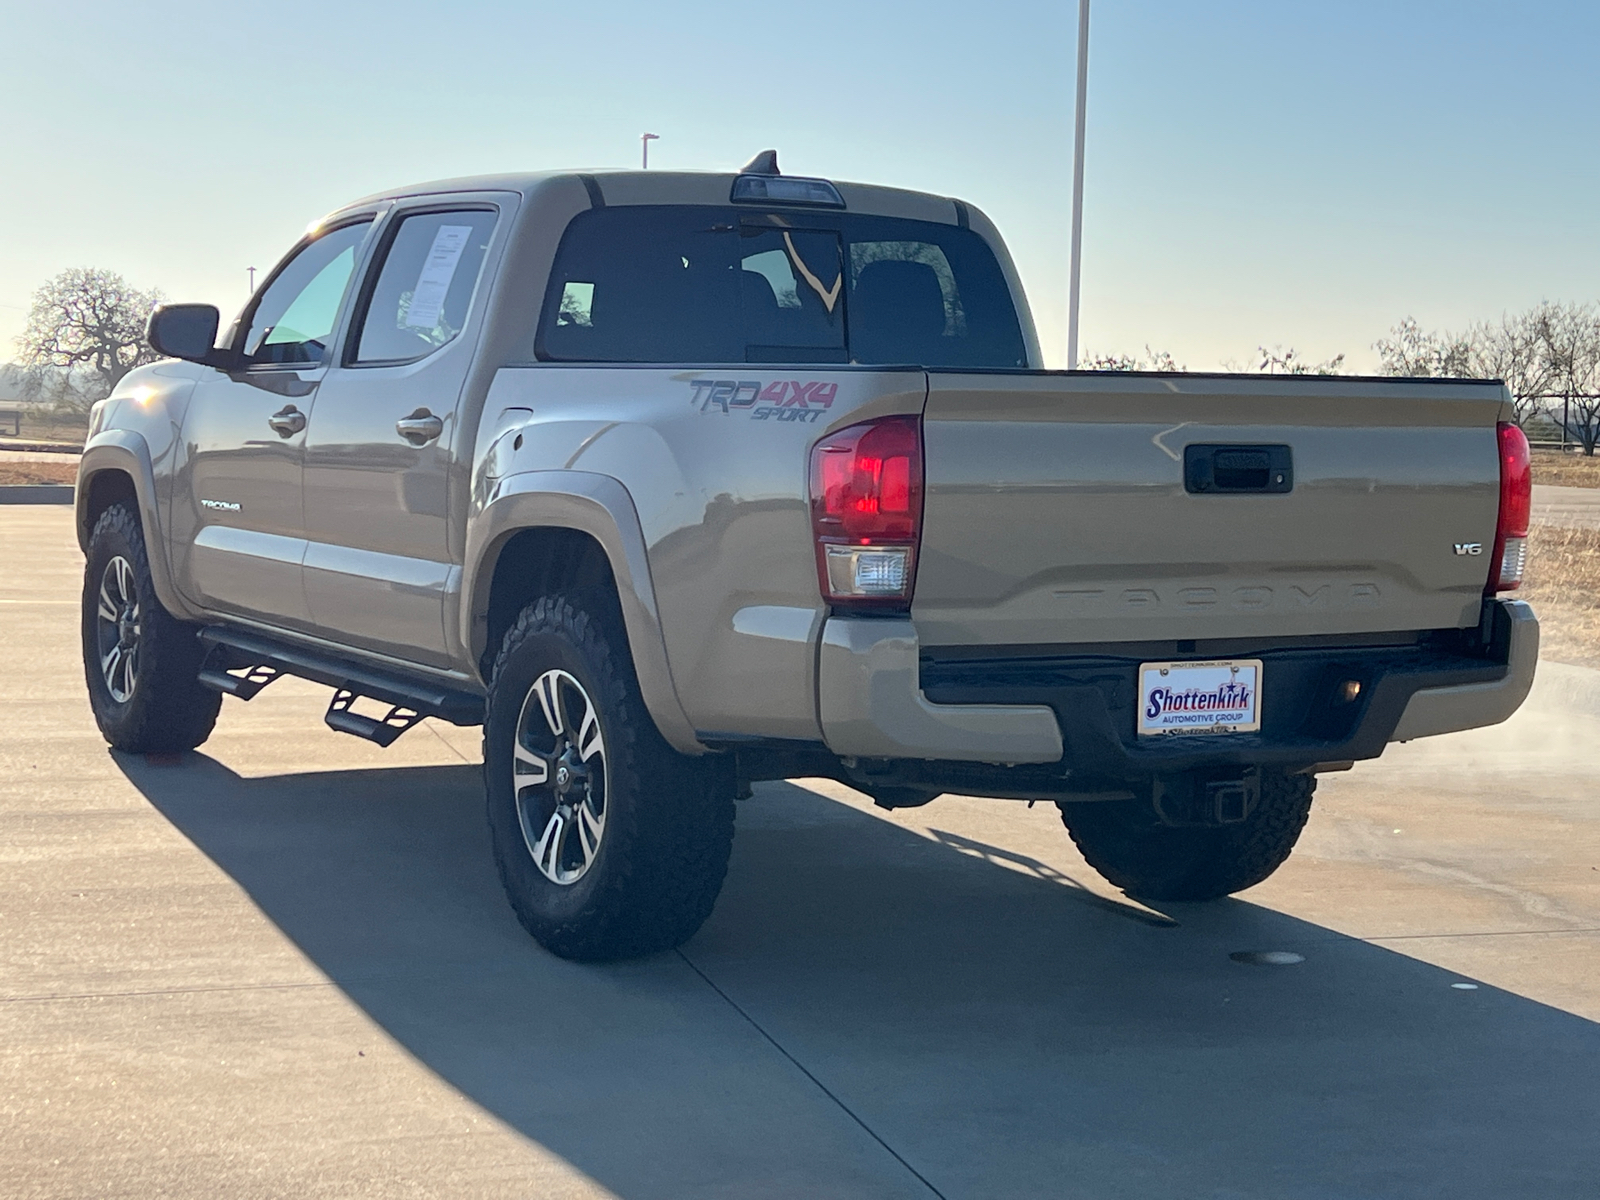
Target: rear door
(384, 436)
(1059, 511)
(237, 516)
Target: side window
(791, 284)
(424, 287)
(644, 284)
(293, 322)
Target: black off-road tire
(167, 709)
(667, 818)
(1126, 843)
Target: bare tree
(1279, 361)
(1513, 350)
(1410, 350)
(1570, 337)
(84, 333)
(1151, 360)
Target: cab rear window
(679, 284)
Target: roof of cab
(672, 187)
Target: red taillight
(1516, 505)
(866, 512)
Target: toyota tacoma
(676, 482)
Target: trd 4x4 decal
(782, 399)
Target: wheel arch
(575, 530)
(115, 469)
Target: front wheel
(1127, 843)
(609, 843)
(141, 663)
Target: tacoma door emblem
(224, 505)
(1463, 548)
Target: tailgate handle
(1237, 469)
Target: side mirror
(185, 331)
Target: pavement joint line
(1333, 937)
(188, 991)
(799, 1066)
(1487, 933)
(434, 730)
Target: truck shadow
(1006, 1031)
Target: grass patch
(41, 425)
(14, 473)
(1563, 585)
(1566, 470)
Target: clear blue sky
(1284, 173)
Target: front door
(384, 438)
(237, 515)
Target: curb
(36, 493)
(41, 447)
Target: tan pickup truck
(679, 482)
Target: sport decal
(780, 400)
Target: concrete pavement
(283, 966)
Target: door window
(424, 288)
(293, 321)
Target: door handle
(420, 428)
(287, 421)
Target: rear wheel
(140, 663)
(610, 844)
(1127, 843)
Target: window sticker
(433, 281)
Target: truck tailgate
(1057, 511)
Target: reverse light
(1516, 505)
(866, 512)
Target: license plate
(1199, 697)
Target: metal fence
(1554, 425)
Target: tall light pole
(644, 149)
(252, 271)
(1077, 187)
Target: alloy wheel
(559, 777)
(118, 623)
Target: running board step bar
(244, 686)
(382, 730)
(241, 664)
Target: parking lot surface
(283, 966)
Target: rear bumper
(880, 696)
(871, 705)
(1471, 705)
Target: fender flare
(601, 507)
(127, 453)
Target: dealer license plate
(1199, 697)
